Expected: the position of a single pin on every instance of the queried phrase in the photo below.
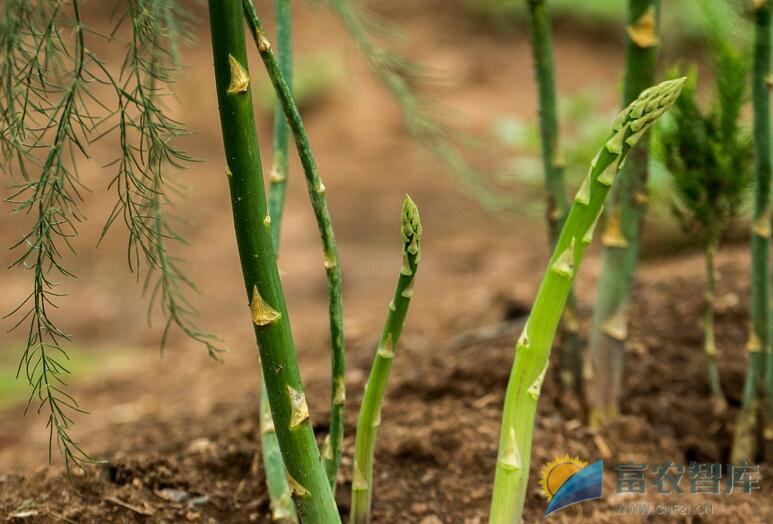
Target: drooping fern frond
(422, 118)
(148, 155)
(46, 125)
(47, 122)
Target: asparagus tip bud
(410, 226)
(240, 79)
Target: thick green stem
(369, 418)
(759, 347)
(252, 224)
(623, 219)
(279, 492)
(553, 166)
(316, 189)
(533, 348)
(709, 342)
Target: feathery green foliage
(709, 156)
(423, 118)
(369, 418)
(48, 118)
(533, 348)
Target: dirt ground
(179, 433)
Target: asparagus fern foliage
(49, 116)
(709, 156)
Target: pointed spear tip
(410, 222)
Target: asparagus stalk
(744, 445)
(709, 343)
(279, 492)
(553, 166)
(369, 418)
(533, 347)
(620, 238)
(305, 473)
(316, 189)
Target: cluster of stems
(316, 190)
(279, 492)
(620, 238)
(533, 347)
(305, 472)
(369, 418)
(553, 167)
(759, 345)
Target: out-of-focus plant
(709, 156)
(761, 329)
(623, 217)
(553, 164)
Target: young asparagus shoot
(710, 158)
(553, 166)
(316, 191)
(305, 473)
(759, 344)
(533, 349)
(369, 418)
(624, 215)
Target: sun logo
(556, 472)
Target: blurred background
(479, 268)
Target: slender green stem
(553, 166)
(279, 167)
(252, 224)
(279, 492)
(709, 342)
(624, 216)
(316, 189)
(744, 446)
(533, 348)
(369, 418)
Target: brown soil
(179, 434)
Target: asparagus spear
(316, 189)
(533, 347)
(370, 410)
(279, 492)
(305, 473)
